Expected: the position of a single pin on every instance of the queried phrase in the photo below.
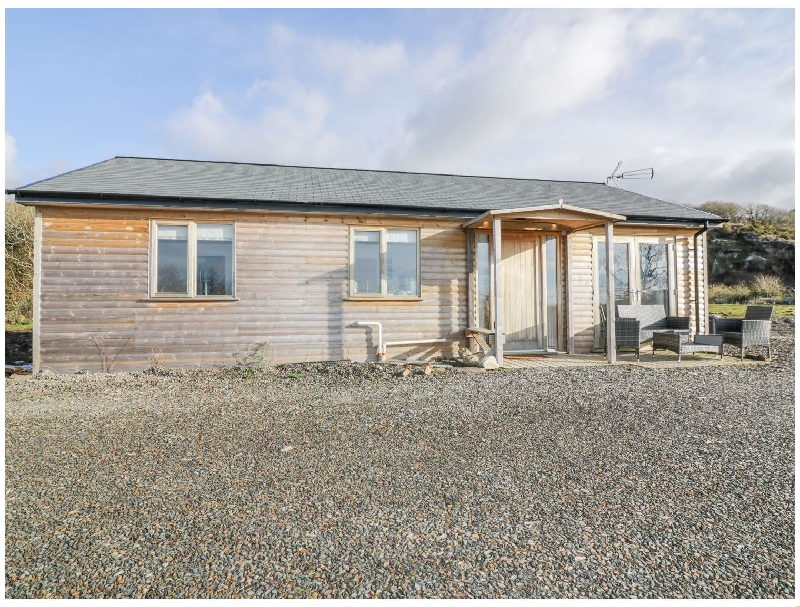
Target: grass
(737, 310)
(23, 326)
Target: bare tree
(19, 262)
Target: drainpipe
(697, 278)
(381, 346)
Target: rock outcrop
(737, 255)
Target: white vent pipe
(382, 346)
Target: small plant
(106, 360)
(157, 358)
(295, 375)
(255, 355)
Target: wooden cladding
(291, 290)
(292, 294)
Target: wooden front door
(532, 286)
(521, 314)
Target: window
(384, 263)
(191, 259)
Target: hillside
(758, 240)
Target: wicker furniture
(681, 344)
(636, 325)
(753, 330)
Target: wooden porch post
(611, 336)
(568, 303)
(498, 291)
(471, 307)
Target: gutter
(697, 278)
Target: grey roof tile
(190, 179)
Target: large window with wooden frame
(191, 259)
(384, 263)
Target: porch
(522, 291)
(662, 360)
(540, 278)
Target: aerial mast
(637, 174)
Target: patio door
(644, 274)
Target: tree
(19, 262)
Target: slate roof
(154, 178)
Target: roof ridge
(298, 166)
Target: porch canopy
(558, 217)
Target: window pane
(214, 259)
(622, 295)
(483, 281)
(367, 262)
(172, 270)
(401, 262)
(653, 263)
(551, 254)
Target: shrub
(19, 263)
(721, 293)
(767, 286)
(762, 286)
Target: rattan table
(681, 344)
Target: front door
(531, 299)
(520, 312)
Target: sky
(705, 97)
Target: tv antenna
(637, 174)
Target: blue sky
(704, 97)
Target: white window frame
(191, 262)
(352, 294)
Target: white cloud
(290, 131)
(12, 172)
(546, 94)
(361, 65)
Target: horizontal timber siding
(583, 316)
(291, 285)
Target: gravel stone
(351, 480)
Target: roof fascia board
(228, 206)
(666, 222)
(545, 207)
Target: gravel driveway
(345, 480)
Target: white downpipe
(383, 345)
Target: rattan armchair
(753, 330)
(636, 325)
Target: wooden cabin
(144, 261)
